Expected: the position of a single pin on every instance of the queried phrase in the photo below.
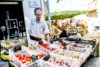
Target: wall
(29, 12)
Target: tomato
(44, 45)
(17, 55)
(41, 55)
(28, 59)
(23, 61)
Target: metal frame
(8, 30)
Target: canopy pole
(49, 16)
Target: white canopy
(81, 17)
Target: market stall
(68, 46)
(64, 52)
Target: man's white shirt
(38, 29)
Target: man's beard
(38, 19)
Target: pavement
(92, 62)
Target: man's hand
(51, 35)
(47, 37)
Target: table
(4, 64)
(95, 49)
(97, 38)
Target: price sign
(33, 3)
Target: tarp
(81, 17)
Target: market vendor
(68, 25)
(65, 27)
(55, 29)
(82, 26)
(38, 28)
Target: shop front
(67, 47)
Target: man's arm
(47, 32)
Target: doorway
(15, 11)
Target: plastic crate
(47, 50)
(42, 63)
(60, 61)
(33, 51)
(16, 62)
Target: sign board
(33, 3)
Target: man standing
(38, 28)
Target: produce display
(59, 54)
(60, 61)
(23, 58)
(26, 56)
(20, 58)
(4, 54)
(49, 49)
(68, 53)
(34, 50)
(5, 57)
(12, 43)
(78, 47)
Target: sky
(68, 5)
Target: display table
(97, 38)
(4, 64)
(74, 55)
(95, 49)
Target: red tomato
(28, 59)
(63, 43)
(41, 55)
(17, 55)
(29, 56)
(44, 45)
(23, 61)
